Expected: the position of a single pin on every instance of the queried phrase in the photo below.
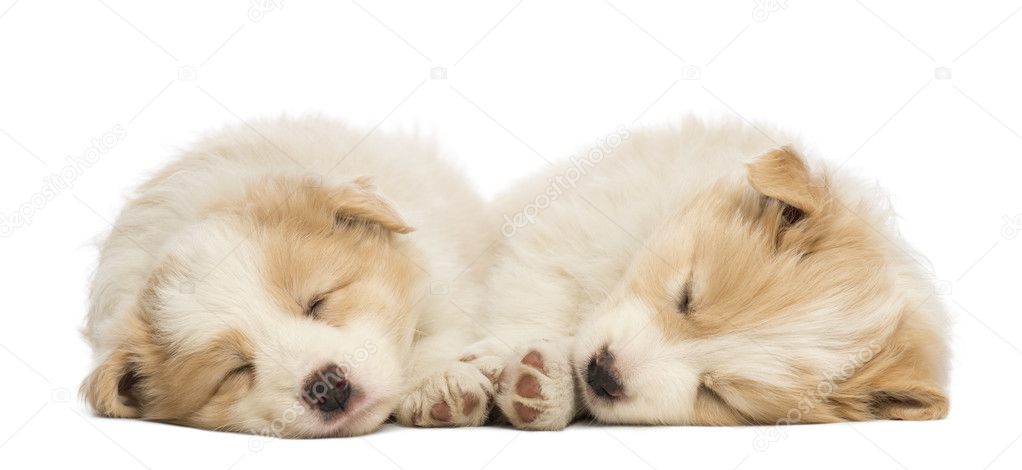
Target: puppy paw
(489, 356)
(536, 389)
(460, 395)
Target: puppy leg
(536, 389)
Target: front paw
(459, 395)
(536, 389)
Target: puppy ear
(361, 201)
(907, 380)
(781, 174)
(112, 387)
(904, 377)
(908, 399)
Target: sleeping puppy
(707, 275)
(269, 281)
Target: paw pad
(528, 387)
(534, 359)
(440, 412)
(526, 414)
(469, 403)
(536, 388)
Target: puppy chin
(644, 405)
(298, 421)
(649, 396)
(644, 379)
(363, 418)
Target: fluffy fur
(269, 262)
(708, 274)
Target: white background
(924, 96)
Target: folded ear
(905, 377)
(112, 387)
(782, 174)
(361, 201)
(908, 399)
(908, 384)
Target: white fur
(558, 279)
(429, 194)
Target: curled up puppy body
(275, 279)
(709, 274)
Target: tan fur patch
(166, 383)
(749, 270)
(344, 268)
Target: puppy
(270, 281)
(707, 275)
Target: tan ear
(782, 174)
(361, 201)
(908, 400)
(114, 387)
(899, 385)
(111, 388)
(904, 378)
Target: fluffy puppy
(270, 281)
(707, 274)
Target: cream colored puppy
(707, 274)
(275, 279)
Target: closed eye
(318, 301)
(232, 377)
(311, 309)
(685, 302)
(245, 369)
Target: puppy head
(767, 299)
(285, 312)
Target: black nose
(601, 378)
(327, 390)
